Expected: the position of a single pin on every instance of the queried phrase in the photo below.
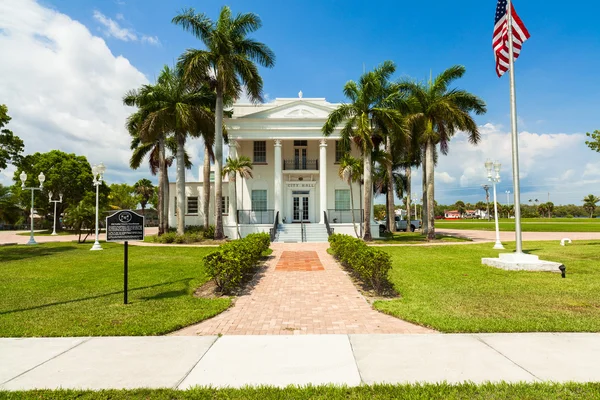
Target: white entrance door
(300, 207)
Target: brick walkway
(302, 290)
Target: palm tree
(9, 208)
(206, 185)
(158, 165)
(350, 171)
(363, 118)
(79, 217)
(589, 204)
(543, 210)
(460, 207)
(442, 111)
(153, 147)
(144, 189)
(385, 162)
(234, 166)
(397, 142)
(410, 156)
(184, 110)
(550, 208)
(229, 58)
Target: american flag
(500, 41)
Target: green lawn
(500, 391)
(64, 289)
(527, 225)
(415, 238)
(447, 288)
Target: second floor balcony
(301, 164)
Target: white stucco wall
(264, 177)
(286, 120)
(193, 189)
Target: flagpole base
(498, 246)
(96, 246)
(521, 262)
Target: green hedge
(228, 265)
(193, 234)
(369, 264)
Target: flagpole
(514, 133)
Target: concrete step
(314, 233)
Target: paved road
(15, 237)
(490, 236)
(475, 235)
(183, 362)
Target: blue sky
(322, 44)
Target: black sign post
(125, 226)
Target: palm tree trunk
(164, 190)
(352, 207)
(218, 164)
(165, 196)
(391, 209)
(180, 184)
(425, 221)
(367, 194)
(206, 188)
(233, 201)
(430, 190)
(407, 173)
(161, 188)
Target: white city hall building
(295, 183)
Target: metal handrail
(329, 228)
(302, 232)
(273, 230)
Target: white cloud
(153, 40)
(63, 88)
(592, 169)
(444, 177)
(549, 163)
(113, 29)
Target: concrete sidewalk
(183, 362)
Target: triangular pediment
(294, 110)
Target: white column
(322, 179)
(232, 194)
(278, 183)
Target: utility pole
(487, 199)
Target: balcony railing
(344, 216)
(300, 165)
(256, 217)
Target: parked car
(401, 224)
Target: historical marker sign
(123, 226)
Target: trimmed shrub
(233, 260)
(168, 237)
(369, 264)
(173, 237)
(210, 232)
